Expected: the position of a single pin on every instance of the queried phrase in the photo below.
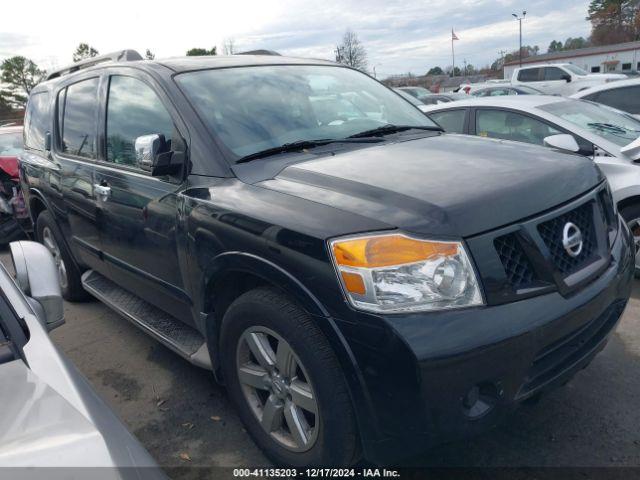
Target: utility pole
(524, 14)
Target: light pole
(374, 70)
(524, 14)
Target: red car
(12, 207)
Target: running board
(186, 341)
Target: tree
(614, 21)
(351, 51)
(435, 71)
(555, 46)
(575, 43)
(456, 72)
(20, 75)
(83, 51)
(229, 46)
(149, 55)
(200, 52)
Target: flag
(453, 35)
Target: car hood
(606, 76)
(445, 185)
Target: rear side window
(452, 120)
(624, 98)
(529, 75)
(133, 110)
(78, 129)
(554, 73)
(36, 121)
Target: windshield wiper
(390, 128)
(301, 145)
(611, 127)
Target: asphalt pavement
(184, 418)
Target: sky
(400, 36)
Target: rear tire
(266, 320)
(49, 235)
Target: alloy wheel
(49, 241)
(277, 388)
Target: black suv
(363, 284)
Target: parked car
(13, 214)
(608, 136)
(505, 90)
(50, 416)
(408, 97)
(364, 287)
(623, 95)
(432, 98)
(468, 88)
(560, 78)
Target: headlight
(396, 273)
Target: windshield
(574, 69)
(617, 127)
(251, 109)
(10, 144)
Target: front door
(139, 213)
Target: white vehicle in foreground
(607, 136)
(50, 416)
(560, 78)
(623, 95)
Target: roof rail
(119, 56)
(259, 52)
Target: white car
(50, 416)
(623, 95)
(560, 78)
(607, 136)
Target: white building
(619, 58)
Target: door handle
(102, 192)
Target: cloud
(400, 35)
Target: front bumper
(435, 377)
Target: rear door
(139, 214)
(71, 181)
(533, 76)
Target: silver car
(50, 415)
(609, 137)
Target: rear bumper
(432, 378)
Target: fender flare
(35, 193)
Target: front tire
(49, 235)
(286, 382)
(631, 215)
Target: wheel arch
(37, 204)
(628, 201)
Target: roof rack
(119, 56)
(260, 52)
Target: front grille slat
(517, 266)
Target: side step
(186, 341)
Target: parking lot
(183, 418)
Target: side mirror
(632, 150)
(562, 141)
(566, 77)
(154, 155)
(37, 277)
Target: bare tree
(351, 51)
(229, 46)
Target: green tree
(199, 52)
(83, 51)
(149, 55)
(435, 71)
(614, 21)
(575, 43)
(555, 46)
(20, 75)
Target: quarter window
(36, 121)
(512, 126)
(452, 120)
(529, 75)
(79, 118)
(133, 110)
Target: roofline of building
(568, 54)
